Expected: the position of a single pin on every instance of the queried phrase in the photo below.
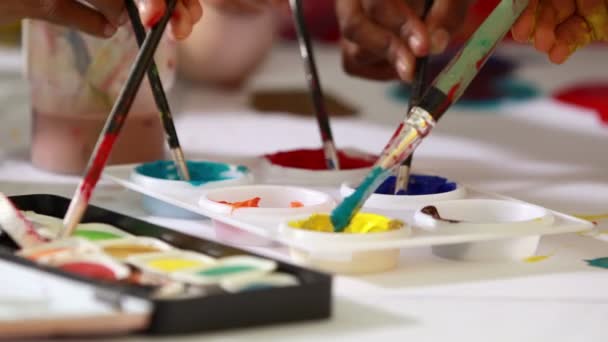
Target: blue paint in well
(418, 185)
(201, 172)
(343, 213)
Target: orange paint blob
(296, 204)
(250, 203)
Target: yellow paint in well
(362, 223)
(175, 264)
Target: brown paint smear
(432, 211)
(298, 102)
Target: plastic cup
(333, 260)
(484, 216)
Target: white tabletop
(538, 151)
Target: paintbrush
(314, 85)
(159, 96)
(114, 123)
(17, 226)
(445, 90)
(403, 175)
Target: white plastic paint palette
(234, 175)
(237, 268)
(475, 216)
(276, 204)
(562, 223)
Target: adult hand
(559, 27)
(382, 38)
(242, 7)
(101, 17)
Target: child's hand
(102, 17)
(559, 27)
(186, 14)
(382, 38)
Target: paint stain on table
(297, 101)
(587, 95)
(494, 84)
(536, 258)
(599, 262)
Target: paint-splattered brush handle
(114, 123)
(159, 95)
(447, 88)
(418, 86)
(452, 82)
(314, 84)
(17, 226)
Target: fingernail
(439, 41)
(415, 43)
(109, 30)
(402, 69)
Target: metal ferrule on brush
(331, 155)
(182, 167)
(417, 126)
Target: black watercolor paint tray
(310, 300)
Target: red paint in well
(315, 160)
(590, 95)
(89, 270)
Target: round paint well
(94, 266)
(170, 262)
(162, 177)
(275, 206)
(307, 167)
(423, 189)
(332, 259)
(269, 281)
(230, 268)
(121, 249)
(484, 217)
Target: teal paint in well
(200, 172)
(343, 213)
